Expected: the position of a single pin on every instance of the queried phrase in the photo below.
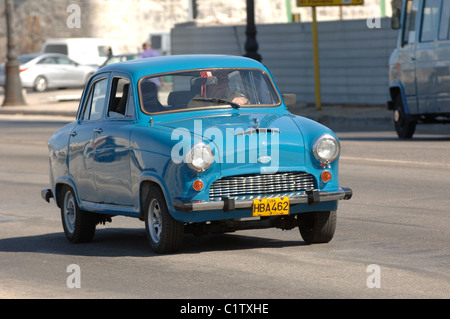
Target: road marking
(391, 161)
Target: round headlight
(326, 148)
(200, 157)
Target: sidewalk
(347, 116)
(65, 103)
(51, 103)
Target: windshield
(207, 88)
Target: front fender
(146, 179)
(311, 130)
(59, 182)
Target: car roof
(40, 54)
(148, 66)
(30, 56)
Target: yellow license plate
(271, 206)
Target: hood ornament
(256, 129)
(256, 125)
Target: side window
(444, 28)
(119, 105)
(409, 25)
(63, 60)
(429, 20)
(104, 50)
(96, 101)
(49, 60)
(56, 48)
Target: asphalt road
(392, 238)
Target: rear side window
(49, 60)
(430, 16)
(96, 101)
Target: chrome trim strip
(309, 197)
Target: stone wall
(134, 20)
(37, 20)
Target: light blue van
(419, 68)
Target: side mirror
(395, 20)
(289, 99)
(396, 14)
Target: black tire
(79, 226)
(40, 84)
(404, 125)
(164, 233)
(317, 227)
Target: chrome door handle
(73, 133)
(98, 130)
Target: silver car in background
(42, 71)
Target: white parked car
(42, 71)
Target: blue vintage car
(194, 143)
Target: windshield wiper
(214, 100)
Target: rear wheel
(317, 227)
(164, 233)
(79, 226)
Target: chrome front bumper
(228, 204)
(47, 194)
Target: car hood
(251, 142)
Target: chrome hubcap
(41, 84)
(69, 212)
(154, 220)
(396, 116)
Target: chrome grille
(253, 185)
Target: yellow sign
(315, 3)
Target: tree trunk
(13, 84)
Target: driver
(219, 90)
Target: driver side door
(82, 138)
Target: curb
(330, 116)
(352, 122)
(36, 112)
(347, 116)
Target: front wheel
(164, 233)
(404, 126)
(40, 84)
(317, 227)
(79, 226)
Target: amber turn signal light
(198, 185)
(325, 176)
